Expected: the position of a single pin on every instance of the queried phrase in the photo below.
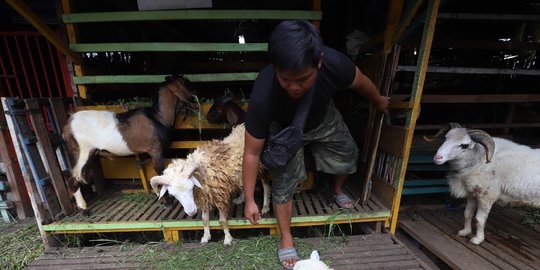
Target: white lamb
(216, 168)
(485, 169)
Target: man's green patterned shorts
(333, 149)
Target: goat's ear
(162, 192)
(196, 182)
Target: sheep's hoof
(86, 213)
(228, 242)
(204, 241)
(476, 240)
(464, 232)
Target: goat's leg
(470, 208)
(240, 199)
(223, 215)
(206, 222)
(266, 198)
(78, 178)
(484, 206)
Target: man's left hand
(381, 104)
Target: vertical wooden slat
(39, 212)
(53, 167)
(72, 38)
(19, 196)
(418, 87)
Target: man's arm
(365, 87)
(250, 166)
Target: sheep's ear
(315, 255)
(196, 182)
(162, 192)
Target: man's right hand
(251, 212)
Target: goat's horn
(485, 140)
(159, 180)
(441, 131)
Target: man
(299, 61)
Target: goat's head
(178, 88)
(179, 185)
(459, 141)
(224, 110)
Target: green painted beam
(426, 190)
(238, 223)
(191, 15)
(425, 182)
(169, 47)
(216, 77)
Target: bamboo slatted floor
(376, 251)
(117, 212)
(508, 243)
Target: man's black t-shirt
(269, 101)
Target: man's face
(297, 83)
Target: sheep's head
(313, 263)
(225, 109)
(179, 186)
(459, 141)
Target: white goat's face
(457, 141)
(182, 189)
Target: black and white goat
(106, 133)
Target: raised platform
(115, 211)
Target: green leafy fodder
(20, 247)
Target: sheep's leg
(223, 215)
(484, 206)
(206, 221)
(470, 208)
(266, 198)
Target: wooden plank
(60, 119)
(190, 15)
(50, 159)
(17, 193)
(472, 70)
(505, 98)
(215, 77)
(392, 138)
(484, 251)
(443, 246)
(385, 192)
(502, 251)
(489, 16)
(169, 47)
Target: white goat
(485, 169)
(109, 134)
(216, 168)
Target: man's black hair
(295, 45)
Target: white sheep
(313, 263)
(485, 169)
(216, 168)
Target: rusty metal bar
(45, 73)
(13, 67)
(33, 66)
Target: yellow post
(274, 231)
(171, 235)
(142, 174)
